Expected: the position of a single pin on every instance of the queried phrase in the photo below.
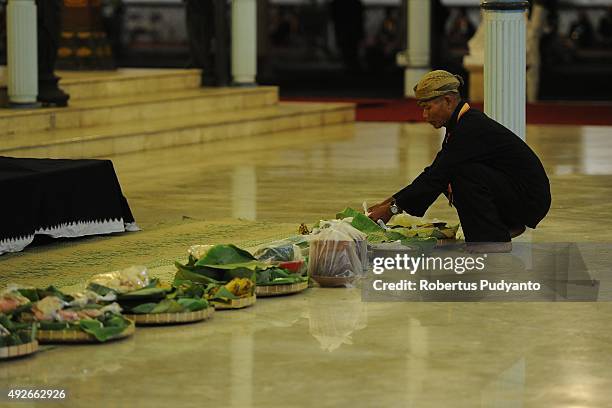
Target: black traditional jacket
(476, 138)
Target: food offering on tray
(16, 339)
(146, 301)
(288, 255)
(82, 317)
(290, 272)
(377, 234)
(226, 270)
(410, 227)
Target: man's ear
(449, 99)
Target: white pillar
(244, 41)
(505, 63)
(416, 58)
(22, 58)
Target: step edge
(174, 128)
(44, 111)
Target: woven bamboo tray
(236, 303)
(76, 336)
(333, 281)
(279, 290)
(20, 350)
(171, 318)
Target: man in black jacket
(495, 181)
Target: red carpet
(544, 113)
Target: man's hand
(381, 211)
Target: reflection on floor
(326, 347)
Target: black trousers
(208, 33)
(487, 203)
(49, 15)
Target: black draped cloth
(59, 198)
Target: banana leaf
(105, 328)
(207, 275)
(99, 289)
(278, 276)
(225, 255)
(223, 295)
(360, 221)
(187, 289)
(439, 230)
(191, 269)
(12, 339)
(19, 333)
(171, 306)
(55, 326)
(377, 237)
(37, 294)
(251, 265)
(103, 290)
(185, 273)
(241, 273)
(420, 244)
(144, 308)
(416, 242)
(142, 294)
(192, 304)
(168, 306)
(129, 301)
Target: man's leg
(200, 29)
(487, 205)
(49, 18)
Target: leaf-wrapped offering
(377, 235)
(14, 333)
(16, 339)
(145, 300)
(221, 264)
(11, 299)
(230, 274)
(410, 227)
(72, 318)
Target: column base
(244, 84)
(23, 105)
(411, 77)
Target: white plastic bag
(334, 260)
(357, 236)
(125, 280)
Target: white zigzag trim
(80, 228)
(69, 230)
(16, 244)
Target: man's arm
(416, 198)
(381, 211)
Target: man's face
(437, 111)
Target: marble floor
(326, 347)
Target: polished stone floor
(326, 347)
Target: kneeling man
(495, 181)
